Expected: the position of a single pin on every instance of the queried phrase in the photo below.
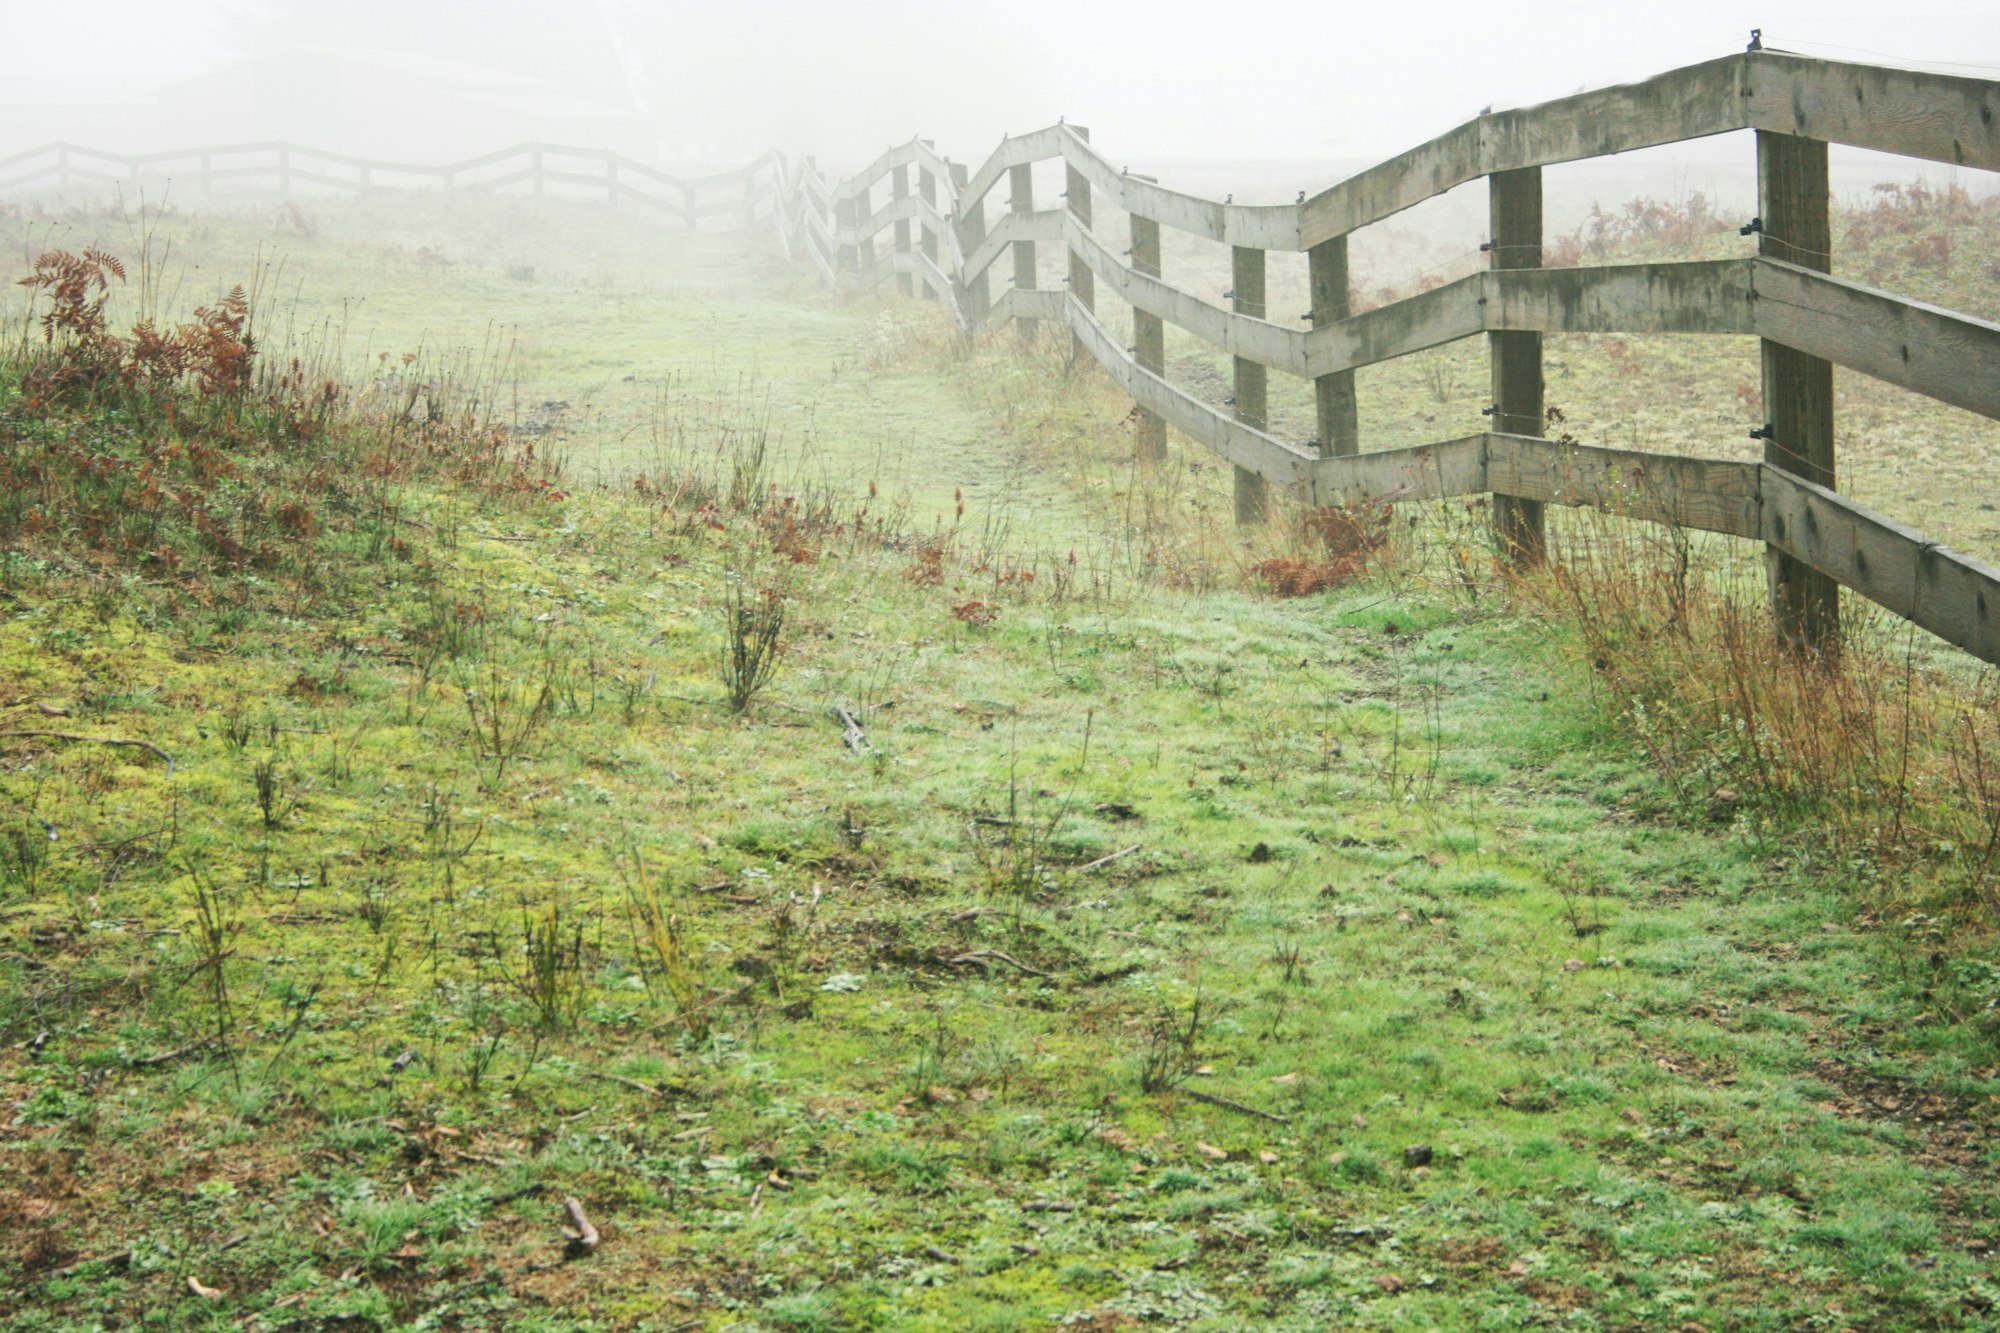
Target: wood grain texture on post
(1515, 206)
(1076, 193)
(864, 245)
(1792, 193)
(1247, 294)
(899, 189)
(975, 295)
(846, 259)
(1021, 186)
(927, 239)
(1336, 413)
(1149, 338)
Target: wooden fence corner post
(1149, 339)
(1247, 274)
(1021, 185)
(864, 245)
(1515, 208)
(975, 294)
(1082, 282)
(1792, 194)
(927, 237)
(899, 191)
(1335, 410)
(845, 260)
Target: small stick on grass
(167, 1057)
(1228, 1105)
(1107, 860)
(856, 739)
(97, 740)
(981, 955)
(582, 1235)
(632, 1083)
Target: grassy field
(1067, 935)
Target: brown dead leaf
(206, 1293)
(1388, 1282)
(1210, 1151)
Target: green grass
(1373, 861)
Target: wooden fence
(739, 198)
(943, 239)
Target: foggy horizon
(1302, 90)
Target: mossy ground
(1457, 1028)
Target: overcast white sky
(1273, 79)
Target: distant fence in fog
(737, 198)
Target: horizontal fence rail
(743, 197)
(945, 239)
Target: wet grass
(1159, 953)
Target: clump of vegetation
(753, 621)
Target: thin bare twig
(1228, 1105)
(981, 955)
(633, 1083)
(99, 740)
(167, 1057)
(1107, 860)
(582, 1235)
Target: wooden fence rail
(745, 196)
(1806, 319)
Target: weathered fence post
(844, 258)
(1333, 395)
(1792, 196)
(611, 179)
(285, 169)
(975, 294)
(62, 166)
(208, 173)
(1515, 207)
(750, 200)
(864, 246)
(1149, 338)
(535, 165)
(1021, 185)
(927, 238)
(1247, 281)
(1082, 282)
(900, 190)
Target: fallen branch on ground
(632, 1083)
(981, 955)
(166, 1057)
(99, 740)
(1107, 860)
(582, 1235)
(855, 738)
(1228, 1105)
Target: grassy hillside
(397, 842)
